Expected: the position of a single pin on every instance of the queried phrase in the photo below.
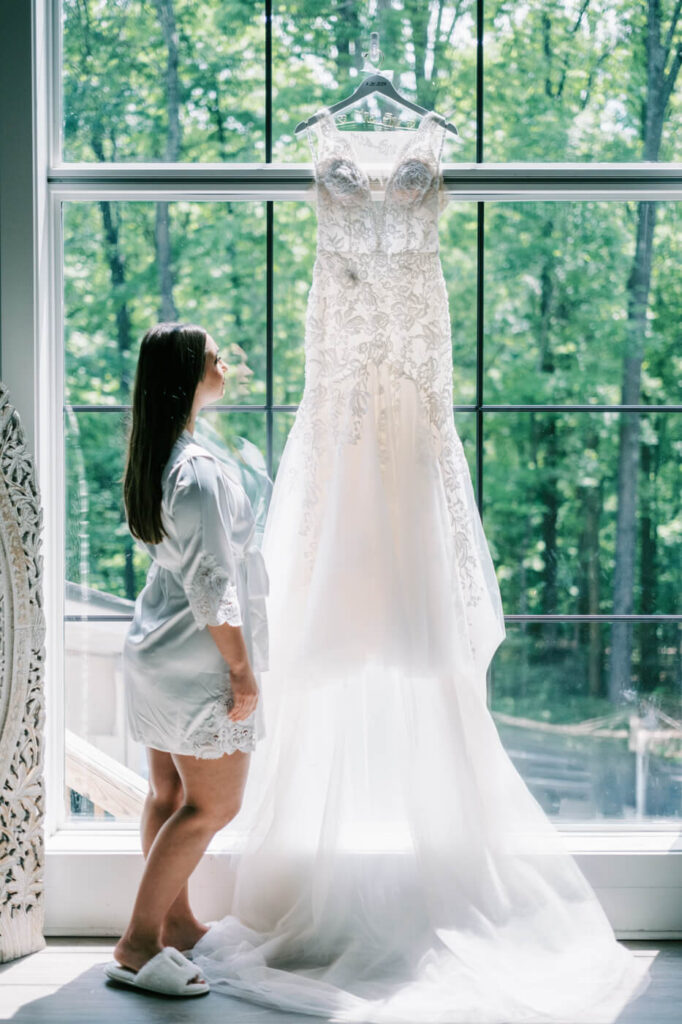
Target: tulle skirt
(394, 866)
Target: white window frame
(91, 874)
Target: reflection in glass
(238, 439)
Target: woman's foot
(182, 934)
(133, 955)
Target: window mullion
(269, 246)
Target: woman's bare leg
(213, 790)
(180, 927)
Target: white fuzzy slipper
(168, 972)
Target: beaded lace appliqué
(213, 595)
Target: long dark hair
(170, 365)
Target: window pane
(104, 571)
(317, 60)
(105, 770)
(171, 80)
(281, 426)
(571, 82)
(458, 234)
(551, 498)
(583, 755)
(575, 310)
(129, 264)
(241, 437)
(465, 425)
(100, 553)
(295, 238)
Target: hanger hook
(374, 50)
(374, 55)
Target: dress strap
(320, 134)
(434, 136)
(437, 137)
(439, 128)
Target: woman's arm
(200, 510)
(230, 643)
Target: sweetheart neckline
(344, 137)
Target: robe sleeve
(201, 514)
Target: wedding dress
(393, 866)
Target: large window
(179, 190)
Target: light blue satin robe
(208, 570)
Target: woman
(194, 649)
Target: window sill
(92, 875)
(667, 838)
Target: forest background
(581, 301)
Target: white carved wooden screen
(22, 716)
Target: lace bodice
(353, 218)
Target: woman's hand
(230, 642)
(244, 692)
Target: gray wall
(17, 317)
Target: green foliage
(563, 82)
(115, 87)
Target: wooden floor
(65, 984)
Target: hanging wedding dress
(394, 865)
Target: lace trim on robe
(220, 735)
(213, 595)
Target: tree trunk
(648, 645)
(167, 308)
(590, 633)
(347, 29)
(420, 16)
(547, 491)
(117, 275)
(628, 453)
(549, 499)
(124, 340)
